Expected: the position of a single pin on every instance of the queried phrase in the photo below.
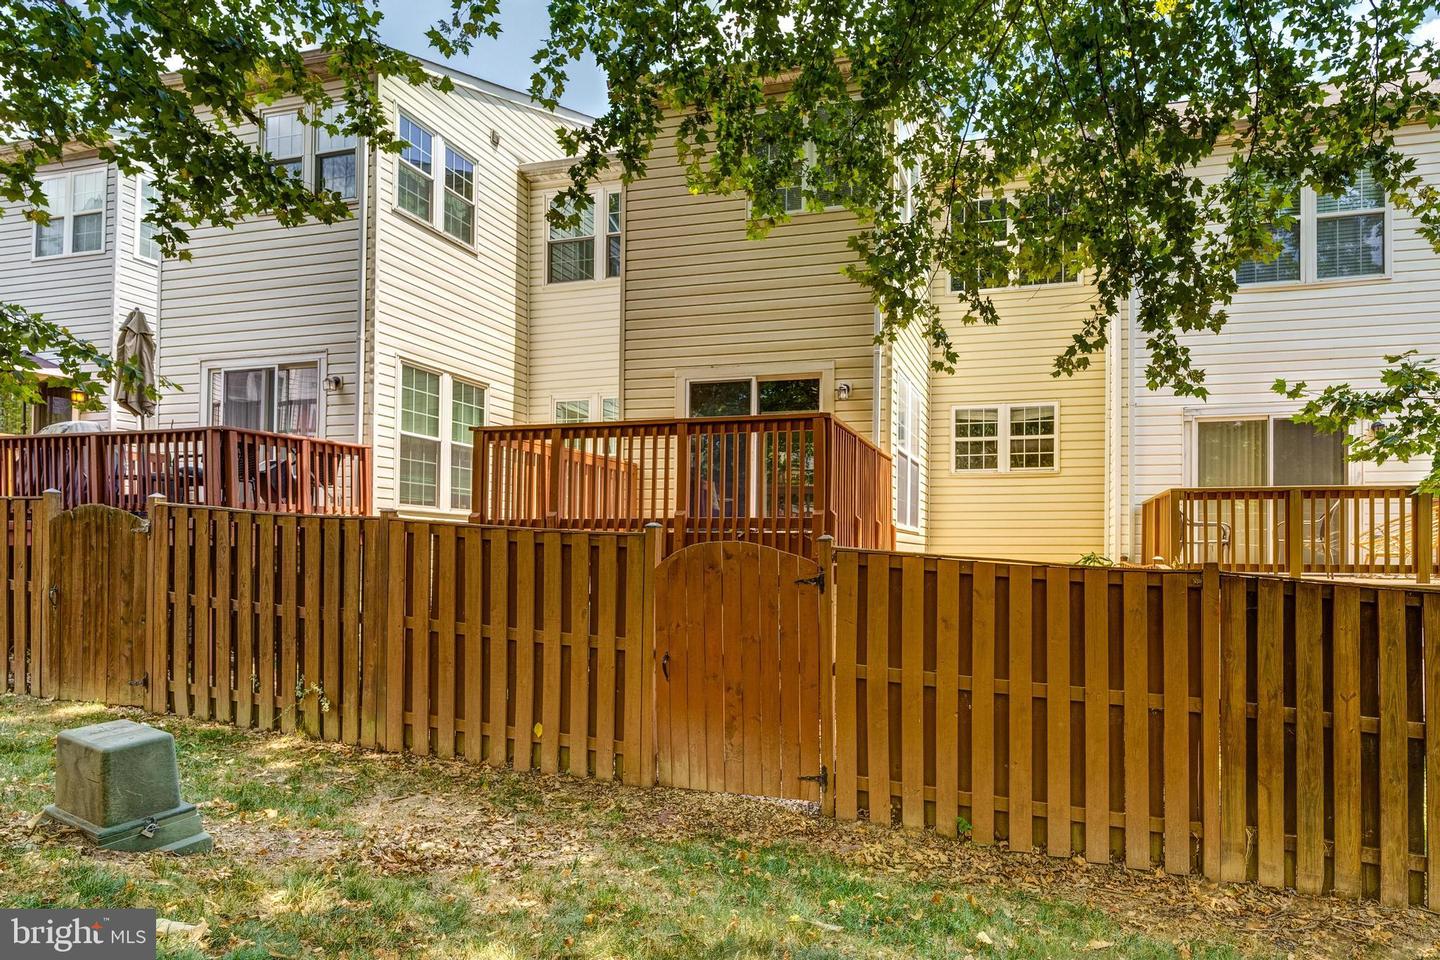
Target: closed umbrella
(136, 346)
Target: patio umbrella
(136, 345)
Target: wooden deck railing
(780, 480)
(212, 466)
(1351, 530)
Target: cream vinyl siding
(438, 303)
(699, 293)
(1023, 515)
(262, 293)
(76, 291)
(1324, 333)
(137, 279)
(909, 355)
(575, 326)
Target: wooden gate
(98, 591)
(738, 678)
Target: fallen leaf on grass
(194, 932)
(985, 938)
(1099, 945)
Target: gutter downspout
(875, 390)
(1129, 386)
(360, 371)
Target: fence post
(1294, 532)
(552, 483)
(826, 556)
(1424, 536)
(649, 734)
(42, 647)
(157, 551)
(682, 484)
(479, 476)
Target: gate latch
(816, 581)
(142, 682)
(822, 778)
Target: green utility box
(118, 784)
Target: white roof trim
(480, 85)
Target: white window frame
(265, 362)
(1003, 438)
(619, 235)
(589, 403)
(68, 234)
(909, 452)
(600, 206)
(1012, 242)
(1307, 221)
(439, 144)
(445, 191)
(141, 180)
(595, 405)
(309, 156)
(447, 415)
(1353, 471)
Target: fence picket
(1022, 708)
(1175, 610)
(912, 692)
(1270, 732)
(847, 579)
(877, 687)
(1233, 723)
(982, 755)
(1096, 599)
(1057, 712)
(1309, 741)
(1394, 737)
(947, 695)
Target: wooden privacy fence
(1249, 728)
(509, 646)
(1245, 727)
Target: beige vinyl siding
(262, 293)
(137, 279)
(1323, 333)
(1024, 515)
(75, 291)
(699, 293)
(438, 303)
(574, 327)
(909, 356)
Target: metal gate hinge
(822, 778)
(142, 682)
(54, 594)
(818, 580)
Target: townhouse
(448, 302)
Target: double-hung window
(1038, 264)
(570, 252)
(76, 205)
(459, 197)
(285, 142)
(1330, 237)
(907, 429)
(453, 212)
(146, 196)
(612, 234)
(415, 177)
(335, 159)
(437, 413)
(310, 152)
(278, 397)
(1006, 438)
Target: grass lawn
(325, 851)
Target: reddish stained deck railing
(1343, 530)
(212, 466)
(782, 480)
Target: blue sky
(524, 27)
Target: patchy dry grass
(326, 851)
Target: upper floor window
(1039, 263)
(335, 159)
(311, 152)
(612, 234)
(76, 205)
(415, 177)
(907, 453)
(1006, 438)
(145, 244)
(415, 182)
(570, 253)
(1329, 237)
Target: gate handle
(665, 665)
